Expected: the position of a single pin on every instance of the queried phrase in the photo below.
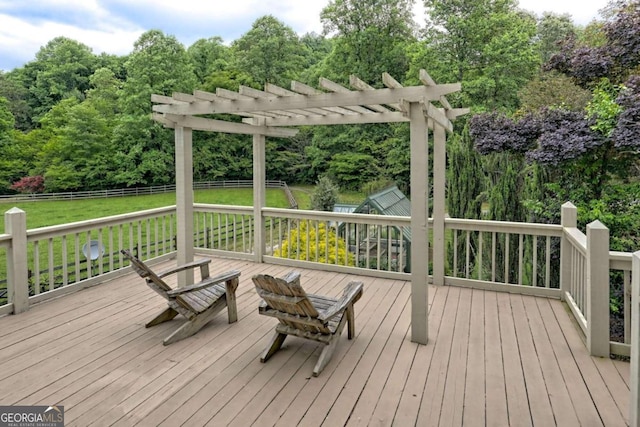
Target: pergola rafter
(274, 110)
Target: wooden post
(419, 224)
(15, 223)
(568, 219)
(259, 195)
(184, 202)
(439, 183)
(634, 383)
(598, 289)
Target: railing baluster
(337, 261)
(493, 256)
(479, 262)
(65, 268)
(520, 257)
(317, 228)
(219, 228)
(347, 227)
(627, 306)
(307, 240)
(87, 255)
(326, 244)
(547, 274)
(241, 237)
(534, 267)
(401, 261)
(573, 286)
(36, 267)
(378, 246)
(76, 256)
(120, 244)
(100, 254)
(467, 255)
(50, 270)
(455, 253)
(389, 249)
(226, 232)
(507, 237)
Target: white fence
(139, 191)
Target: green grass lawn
(54, 212)
(303, 193)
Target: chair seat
(200, 300)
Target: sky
(112, 26)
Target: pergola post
(419, 224)
(184, 202)
(439, 184)
(259, 195)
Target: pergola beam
(213, 125)
(438, 116)
(323, 100)
(335, 87)
(338, 119)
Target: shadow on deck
(492, 359)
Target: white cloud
(113, 26)
(21, 39)
(581, 11)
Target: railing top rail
(553, 230)
(577, 239)
(222, 208)
(55, 230)
(400, 221)
(620, 260)
(5, 238)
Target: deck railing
(366, 244)
(59, 259)
(507, 256)
(536, 259)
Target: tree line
(554, 107)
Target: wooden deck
(493, 359)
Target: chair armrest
(220, 278)
(352, 293)
(202, 263)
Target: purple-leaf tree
(627, 131)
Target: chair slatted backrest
(152, 279)
(285, 295)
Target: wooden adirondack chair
(313, 317)
(198, 302)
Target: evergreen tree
(465, 187)
(325, 195)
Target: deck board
(473, 412)
(495, 395)
(492, 359)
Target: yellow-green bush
(317, 234)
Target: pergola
(273, 111)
